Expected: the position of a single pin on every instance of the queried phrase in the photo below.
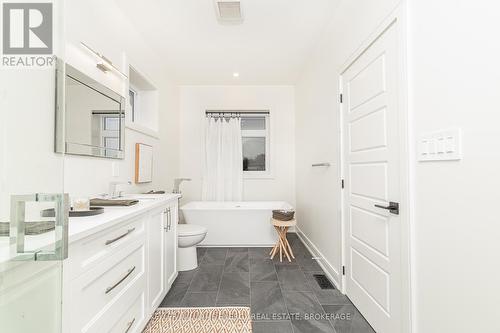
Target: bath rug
(200, 320)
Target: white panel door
(371, 167)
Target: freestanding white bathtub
(233, 223)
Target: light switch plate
(443, 145)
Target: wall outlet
(115, 169)
(443, 145)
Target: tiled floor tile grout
(187, 290)
(283, 297)
(306, 269)
(221, 277)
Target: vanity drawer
(101, 287)
(133, 318)
(90, 251)
(125, 316)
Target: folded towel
(113, 202)
(283, 215)
(155, 192)
(31, 228)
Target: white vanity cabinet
(172, 217)
(118, 273)
(156, 258)
(162, 253)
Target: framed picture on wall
(143, 163)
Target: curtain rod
(114, 112)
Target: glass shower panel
(33, 205)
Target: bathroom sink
(140, 197)
(145, 199)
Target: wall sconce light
(104, 64)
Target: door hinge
(343, 270)
(341, 98)
(342, 183)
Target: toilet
(189, 235)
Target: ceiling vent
(229, 11)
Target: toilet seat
(185, 230)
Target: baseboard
(329, 270)
(234, 245)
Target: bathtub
(234, 223)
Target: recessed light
(236, 74)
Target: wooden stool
(282, 244)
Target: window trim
(133, 107)
(258, 133)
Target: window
(255, 140)
(111, 123)
(110, 133)
(143, 107)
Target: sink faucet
(112, 189)
(177, 183)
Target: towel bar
(321, 165)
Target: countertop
(81, 227)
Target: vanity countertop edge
(82, 227)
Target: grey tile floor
(284, 297)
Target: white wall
(279, 100)
(28, 163)
(455, 82)
(454, 79)
(102, 26)
(317, 127)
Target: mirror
(94, 118)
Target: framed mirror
(94, 117)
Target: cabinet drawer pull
(110, 241)
(129, 325)
(120, 281)
(169, 219)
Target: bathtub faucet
(177, 183)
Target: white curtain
(223, 162)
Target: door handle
(17, 220)
(393, 207)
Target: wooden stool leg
(281, 239)
(289, 248)
(283, 232)
(285, 243)
(273, 252)
(281, 248)
(275, 248)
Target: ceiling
(269, 47)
